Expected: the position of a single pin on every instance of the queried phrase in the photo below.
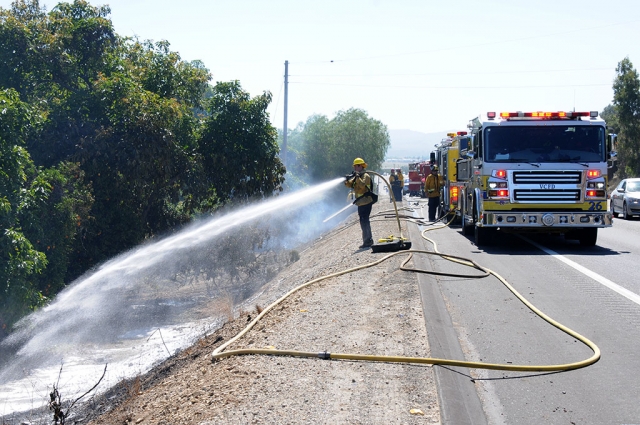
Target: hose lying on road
(219, 352)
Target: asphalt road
(594, 291)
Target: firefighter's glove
(350, 176)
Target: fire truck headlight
(594, 185)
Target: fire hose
(220, 353)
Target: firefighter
(401, 182)
(360, 182)
(396, 185)
(392, 182)
(432, 186)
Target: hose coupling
(324, 356)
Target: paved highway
(594, 291)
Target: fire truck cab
(535, 172)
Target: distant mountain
(413, 144)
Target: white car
(625, 199)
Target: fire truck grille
(547, 177)
(552, 195)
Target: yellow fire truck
(446, 156)
(535, 172)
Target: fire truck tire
(483, 236)
(588, 236)
(467, 229)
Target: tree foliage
(19, 259)
(238, 145)
(330, 146)
(626, 101)
(107, 141)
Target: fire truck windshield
(551, 143)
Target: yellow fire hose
(219, 352)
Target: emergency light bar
(462, 133)
(543, 115)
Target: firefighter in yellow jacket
(432, 186)
(400, 182)
(360, 182)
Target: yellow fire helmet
(360, 161)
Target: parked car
(625, 198)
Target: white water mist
(114, 315)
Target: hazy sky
(419, 65)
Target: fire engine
(418, 171)
(535, 171)
(446, 157)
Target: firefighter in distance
(432, 186)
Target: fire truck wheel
(483, 236)
(588, 236)
(467, 229)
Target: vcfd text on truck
(535, 172)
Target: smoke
(176, 280)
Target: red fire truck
(418, 171)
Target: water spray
(135, 309)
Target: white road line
(631, 296)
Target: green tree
(331, 145)
(238, 145)
(111, 141)
(610, 115)
(56, 221)
(296, 161)
(19, 259)
(626, 100)
(22, 31)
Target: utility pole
(285, 129)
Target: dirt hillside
(374, 311)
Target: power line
(501, 41)
(455, 73)
(450, 87)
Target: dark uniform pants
(434, 203)
(364, 211)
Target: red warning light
(453, 193)
(501, 174)
(593, 174)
